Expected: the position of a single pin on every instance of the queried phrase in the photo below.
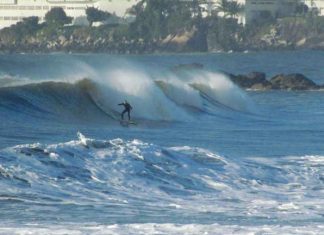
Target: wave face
(160, 97)
(117, 180)
(49, 100)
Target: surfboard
(127, 123)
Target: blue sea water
(206, 157)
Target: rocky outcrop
(258, 81)
(253, 80)
(294, 81)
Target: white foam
(214, 184)
(164, 99)
(161, 229)
(288, 206)
(139, 89)
(180, 92)
(192, 180)
(220, 88)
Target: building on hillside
(254, 10)
(317, 5)
(262, 9)
(12, 11)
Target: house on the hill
(255, 10)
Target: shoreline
(160, 53)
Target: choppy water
(205, 157)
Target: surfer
(127, 109)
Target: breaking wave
(135, 179)
(163, 97)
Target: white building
(256, 9)
(12, 11)
(316, 4)
(278, 8)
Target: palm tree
(234, 8)
(222, 6)
(230, 8)
(136, 9)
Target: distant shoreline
(8, 52)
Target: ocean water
(205, 157)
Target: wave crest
(167, 97)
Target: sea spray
(221, 89)
(180, 92)
(141, 92)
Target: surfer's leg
(122, 115)
(128, 116)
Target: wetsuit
(127, 109)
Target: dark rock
(295, 81)
(258, 76)
(254, 80)
(258, 81)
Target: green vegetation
(95, 15)
(56, 16)
(224, 34)
(26, 27)
(159, 18)
(230, 8)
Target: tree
(224, 33)
(136, 9)
(196, 9)
(301, 9)
(230, 8)
(156, 19)
(57, 16)
(20, 31)
(30, 24)
(94, 15)
(234, 9)
(150, 23)
(223, 7)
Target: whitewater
(205, 158)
